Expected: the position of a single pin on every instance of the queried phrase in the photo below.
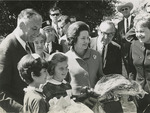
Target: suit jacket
(11, 85)
(121, 31)
(64, 43)
(55, 47)
(121, 39)
(140, 54)
(113, 63)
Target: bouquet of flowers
(118, 85)
(67, 105)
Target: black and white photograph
(75, 56)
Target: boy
(33, 71)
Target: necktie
(103, 52)
(47, 47)
(127, 26)
(27, 47)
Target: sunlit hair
(54, 59)
(31, 63)
(54, 9)
(143, 18)
(108, 22)
(74, 31)
(42, 34)
(27, 14)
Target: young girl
(33, 71)
(39, 45)
(58, 69)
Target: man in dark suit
(112, 51)
(51, 44)
(111, 58)
(123, 27)
(12, 49)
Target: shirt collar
(86, 55)
(53, 81)
(128, 18)
(22, 42)
(31, 88)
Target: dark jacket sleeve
(6, 98)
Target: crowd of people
(42, 60)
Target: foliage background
(91, 12)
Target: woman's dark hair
(74, 31)
(55, 59)
(28, 64)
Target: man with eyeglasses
(54, 14)
(110, 52)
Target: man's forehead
(106, 27)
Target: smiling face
(31, 28)
(82, 41)
(43, 76)
(39, 43)
(60, 71)
(106, 32)
(142, 33)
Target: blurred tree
(91, 12)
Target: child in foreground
(33, 71)
(57, 86)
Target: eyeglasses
(108, 34)
(55, 14)
(123, 9)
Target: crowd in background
(58, 57)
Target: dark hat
(121, 5)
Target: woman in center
(84, 63)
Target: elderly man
(111, 57)
(123, 27)
(109, 50)
(12, 49)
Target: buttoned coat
(84, 71)
(11, 85)
(113, 61)
(140, 54)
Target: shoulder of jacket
(116, 44)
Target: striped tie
(27, 47)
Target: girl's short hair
(31, 63)
(74, 31)
(54, 60)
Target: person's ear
(33, 75)
(99, 32)
(22, 26)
